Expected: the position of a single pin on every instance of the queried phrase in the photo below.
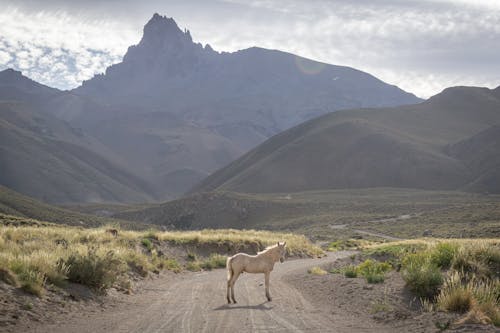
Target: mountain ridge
(173, 111)
(407, 146)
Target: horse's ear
(278, 243)
(284, 243)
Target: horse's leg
(229, 279)
(267, 286)
(235, 277)
(229, 287)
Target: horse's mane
(270, 247)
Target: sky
(422, 46)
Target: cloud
(422, 46)
(58, 49)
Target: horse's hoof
(269, 299)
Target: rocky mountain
(45, 157)
(173, 111)
(450, 142)
(207, 108)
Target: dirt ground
(195, 302)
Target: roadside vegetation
(460, 276)
(35, 255)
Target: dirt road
(195, 302)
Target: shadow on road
(261, 306)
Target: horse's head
(282, 248)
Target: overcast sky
(422, 46)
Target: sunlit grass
(39, 254)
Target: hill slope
(16, 204)
(44, 157)
(432, 145)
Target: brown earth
(195, 302)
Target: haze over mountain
(449, 142)
(169, 114)
(45, 157)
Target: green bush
(350, 271)
(93, 270)
(373, 271)
(172, 265)
(214, 261)
(375, 278)
(146, 242)
(442, 255)
(421, 275)
(193, 266)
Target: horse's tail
(229, 268)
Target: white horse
(263, 262)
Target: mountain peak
(162, 39)
(161, 29)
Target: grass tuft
(317, 271)
(350, 271)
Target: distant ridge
(450, 142)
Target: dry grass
(317, 271)
(296, 244)
(34, 255)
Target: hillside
(46, 158)
(446, 143)
(15, 204)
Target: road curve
(195, 302)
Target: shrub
(93, 270)
(317, 271)
(442, 255)
(58, 275)
(375, 278)
(487, 294)
(350, 271)
(373, 271)
(421, 275)
(32, 282)
(214, 261)
(172, 265)
(146, 242)
(454, 295)
(193, 266)
(138, 263)
(479, 260)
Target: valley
(125, 196)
